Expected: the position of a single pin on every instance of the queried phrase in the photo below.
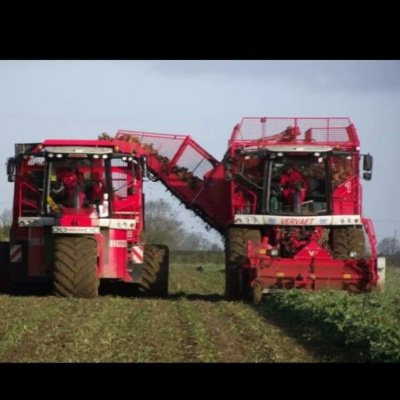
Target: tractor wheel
(236, 251)
(155, 270)
(5, 286)
(75, 260)
(345, 240)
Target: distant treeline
(165, 226)
(393, 261)
(197, 257)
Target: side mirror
(143, 161)
(11, 166)
(367, 176)
(368, 162)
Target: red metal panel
(369, 228)
(36, 265)
(311, 268)
(320, 130)
(187, 170)
(101, 250)
(117, 255)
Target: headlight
(273, 252)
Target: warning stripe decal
(16, 253)
(137, 254)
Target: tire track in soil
(240, 335)
(236, 329)
(212, 315)
(156, 334)
(227, 335)
(221, 332)
(186, 336)
(195, 324)
(265, 342)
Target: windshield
(75, 184)
(297, 186)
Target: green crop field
(196, 324)
(366, 326)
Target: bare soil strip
(194, 324)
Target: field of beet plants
(367, 326)
(196, 324)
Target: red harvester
(306, 231)
(286, 197)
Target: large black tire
(5, 286)
(155, 270)
(75, 260)
(347, 239)
(235, 257)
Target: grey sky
(80, 99)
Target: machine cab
(302, 180)
(87, 180)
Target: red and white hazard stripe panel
(16, 253)
(137, 254)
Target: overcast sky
(81, 99)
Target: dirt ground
(194, 324)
